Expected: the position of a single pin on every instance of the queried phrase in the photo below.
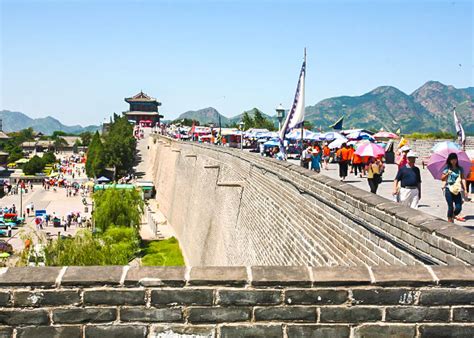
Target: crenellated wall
(152, 302)
(236, 208)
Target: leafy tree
(95, 165)
(58, 133)
(33, 166)
(48, 158)
(120, 146)
(86, 138)
(59, 143)
(117, 207)
(248, 121)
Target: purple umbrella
(437, 162)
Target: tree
(95, 165)
(49, 158)
(59, 143)
(120, 146)
(86, 138)
(247, 120)
(117, 207)
(33, 166)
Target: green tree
(117, 207)
(49, 158)
(86, 138)
(247, 120)
(59, 143)
(57, 134)
(95, 165)
(33, 166)
(120, 146)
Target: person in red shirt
(343, 156)
(326, 155)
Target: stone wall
(236, 208)
(130, 302)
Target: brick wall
(132, 302)
(236, 208)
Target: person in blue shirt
(453, 175)
(407, 183)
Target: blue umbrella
(445, 145)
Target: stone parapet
(418, 301)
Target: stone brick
(92, 275)
(4, 298)
(285, 313)
(213, 275)
(200, 331)
(463, 314)
(249, 297)
(114, 297)
(280, 276)
(182, 297)
(137, 314)
(402, 275)
(384, 296)
(84, 315)
(393, 331)
(350, 314)
(46, 298)
(116, 331)
(414, 314)
(310, 297)
(454, 275)
(252, 331)
(218, 315)
(318, 331)
(156, 276)
(25, 317)
(30, 276)
(447, 297)
(335, 276)
(438, 331)
(49, 331)
(6, 332)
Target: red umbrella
(385, 134)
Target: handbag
(377, 178)
(455, 188)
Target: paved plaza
(53, 202)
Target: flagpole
(302, 124)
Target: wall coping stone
(271, 276)
(212, 275)
(92, 275)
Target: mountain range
(427, 109)
(14, 121)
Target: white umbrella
(337, 143)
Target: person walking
(454, 180)
(409, 179)
(374, 173)
(326, 155)
(343, 157)
(316, 158)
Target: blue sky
(77, 60)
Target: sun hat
(405, 148)
(412, 154)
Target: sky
(77, 60)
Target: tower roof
(140, 97)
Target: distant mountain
(427, 109)
(14, 121)
(251, 112)
(204, 116)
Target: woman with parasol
(454, 178)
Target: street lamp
(241, 127)
(280, 115)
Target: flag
(338, 124)
(398, 131)
(295, 119)
(459, 129)
(219, 135)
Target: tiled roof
(140, 97)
